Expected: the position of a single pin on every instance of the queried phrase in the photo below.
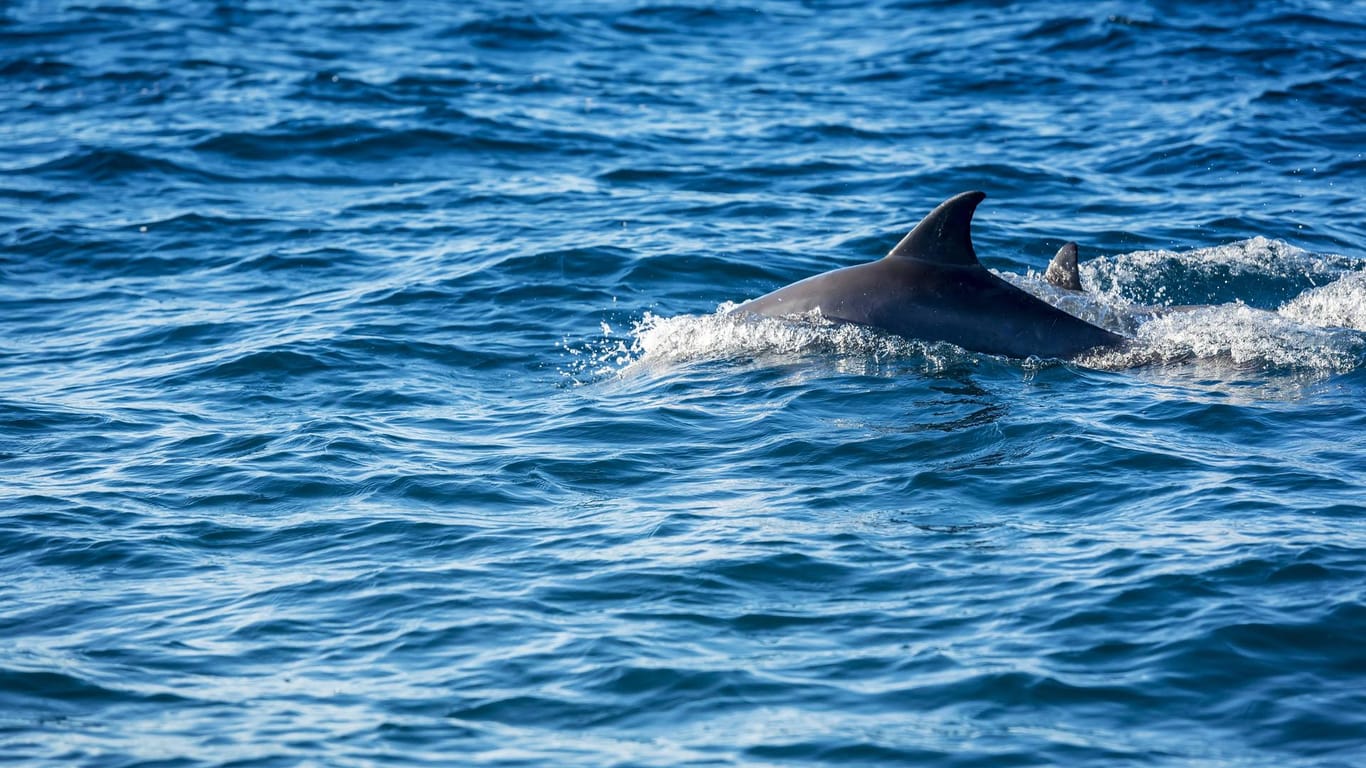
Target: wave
(358, 141)
(1340, 304)
(108, 165)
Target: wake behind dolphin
(932, 287)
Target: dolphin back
(932, 287)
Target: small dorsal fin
(945, 235)
(1062, 270)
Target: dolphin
(932, 287)
(1063, 271)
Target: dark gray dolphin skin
(932, 287)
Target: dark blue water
(364, 397)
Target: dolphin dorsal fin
(945, 235)
(1062, 270)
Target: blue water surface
(367, 395)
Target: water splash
(1249, 338)
(1258, 271)
(656, 342)
(1340, 304)
(1154, 298)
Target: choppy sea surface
(368, 397)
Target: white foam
(1247, 337)
(1340, 304)
(1146, 276)
(656, 341)
(726, 335)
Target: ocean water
(367, 396)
